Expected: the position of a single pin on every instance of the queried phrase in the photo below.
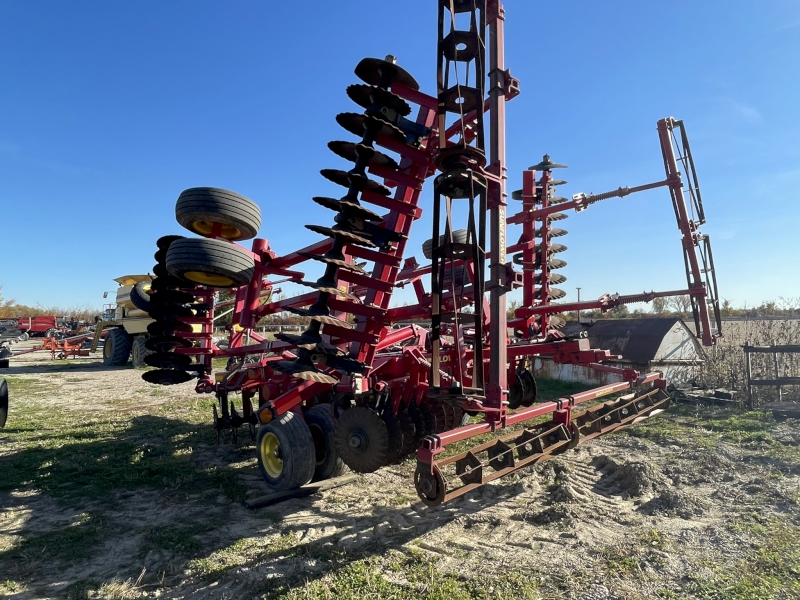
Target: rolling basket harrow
(356, 389)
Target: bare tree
(660, 306)
(680, 305)
(6, 306)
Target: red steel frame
(405, 372)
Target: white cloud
(748, 113)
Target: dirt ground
(113, 488)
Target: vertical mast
(498, 381)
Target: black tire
(210, 262)
(459, 237)
(321, 423)
(288, 440)
(117, 348)
(461, 278)
(140, 297)
(198, 209)
(139, 351)
(3, 403)
(51, 333)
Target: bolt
(355, 441)
(391, 58)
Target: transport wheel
(140, 296)
(139, 352)
(163, 244)
(3, 403)
(286, 456)
(461, 277)
(321, 423)
(117, 348)
(362, 439)
(459, 237)
(210, 262)
(200, 209)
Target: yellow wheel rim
(229, 232)
(270, 455)
(208, 278)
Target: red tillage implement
(355, 389)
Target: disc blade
(367, 95)
(376, 71)
(166, 376)
(353, 152)
(343, 264)
(302, 371)
(168, 329)
(358, 182)
(348, 209)
(546, 165)
(167, 360)
(358, 124)
(166, 343)
(329, 290)
(322, 318)
(346, 236)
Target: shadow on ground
(163, 491)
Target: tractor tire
(285, 450)
(3, 403)
(461, 278)
(459, 237)
(117, 348)
(199, 209)
(140, 297)
(210, 262)
(321, 424)
(139, 352)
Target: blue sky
(108, 110)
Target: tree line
(681, 306)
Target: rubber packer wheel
(214, 263)
(285, 452)
(117, 348)
(459, 237)
(321, 423)
(139, 351)
(199, 209)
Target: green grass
(412, 575)
(551, 389)
(771, 569)
(74, 455)
(706, 426)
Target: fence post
(749, 375)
